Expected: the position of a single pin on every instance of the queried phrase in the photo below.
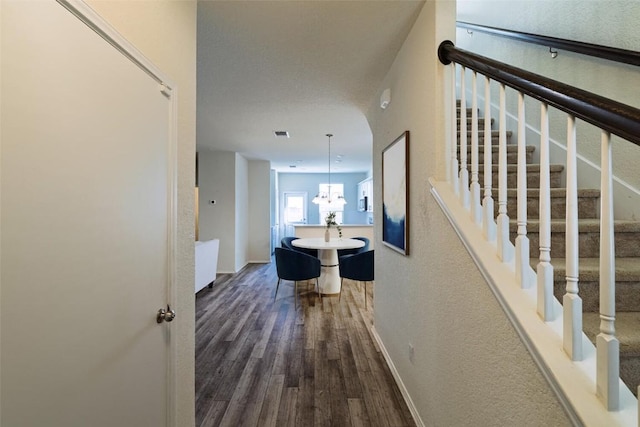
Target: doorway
(294, 212)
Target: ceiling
(305, 67)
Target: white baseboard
(396, 376)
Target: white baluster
(454, 141)
(505, 253)
(607, 345)
(544, 268)
(476, 208)
(571, 301)
(488, 223)
(464, 172)
(522, 241)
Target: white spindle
(522, 241)
(607, 345)
(571, 301)
(545, 269)
(454, 129)
(476, 208)
(464, 172)
(504, 246)
(488, 223)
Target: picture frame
(395, 194)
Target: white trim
(398, 378)
(573, 383)
(94, 21)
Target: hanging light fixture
(327, 197)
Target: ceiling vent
(281, 134)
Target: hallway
(260, 363)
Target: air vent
(281, 134)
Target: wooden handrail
(615, 117)
(598, 51)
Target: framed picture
(395, 194)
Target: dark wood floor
(260, 363)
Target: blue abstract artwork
(395, 194)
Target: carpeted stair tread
(494, 133)
(512, 153)
(480, 122)
(590, 225)
(555, 192)
(627, 269)
(531, 168)
(469, 111)
(627, 331)
(495, 148)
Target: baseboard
(396, 376)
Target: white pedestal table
(329, 281)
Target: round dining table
(329, 281)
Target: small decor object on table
(331, 220)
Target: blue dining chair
(357, 267)
(296, 266)
(285, 242)
(343, 252)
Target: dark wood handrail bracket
(598, 51)
(612, 116)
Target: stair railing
(608, 115)
(598, 51)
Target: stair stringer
(573, 383)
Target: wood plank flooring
(260, 363)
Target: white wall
(240, 218)
(242, 212)
(217, 221)
(260, 211)
(470, 367)
(165, 32)
(600, 22)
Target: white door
(85, 227)
(295, 211)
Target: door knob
(165, 315)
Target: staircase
(627, 247)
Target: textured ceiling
(306, 67)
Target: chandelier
(327, 197)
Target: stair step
(480, 122)
(512, 153)
(495, 137)
(628, 333)
(469, 111)
(627, 234)
(627, 282)
(533, 176)
(588, 203)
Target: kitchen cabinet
(365, 195)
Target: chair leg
(365, 294)
(276, 294)
(318, 288)
(295, 294)
(340, 294)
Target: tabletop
(319, 243)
